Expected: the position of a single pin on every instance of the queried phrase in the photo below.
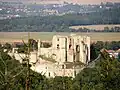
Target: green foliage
(106, 29)
(33, 44)
(61, 23)
(60, 83)
(24, 47)
(96, 47)
(46, 45)
(7, 46)
(119, 56)
(105, 75)
(47, 58)
(13, 75)
(93, 52)
(8, 68)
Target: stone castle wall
(65, 50)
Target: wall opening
(70, 46)
(65, 49)
(77, 52)
(58, 47)
(73, 57)
(77, 48)
(75, 73)
(49, 74)
(58, 39)
(62, 66)
(87, 54)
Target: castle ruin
(67, 56)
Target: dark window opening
(62, 66)
(75, 73)
(77, 53)
(66, 49)
(74, 57)
(70, 46)
(77, 48)
(70, 41)
(82, 42)
(58, 39)
(49, 74)
(58, 46)
(87, 55)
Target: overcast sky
(75, 1)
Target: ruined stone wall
(21, 56)
(59, 48)
(71, 48)
(65, 49)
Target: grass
(47, 36)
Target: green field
(47, 36)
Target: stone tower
(71, 48)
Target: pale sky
(74, 1)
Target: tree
(105, 75)
(7, 46)
(62, 83)
(93, 52)
(13, 75)
(119, 56)
(8, 71)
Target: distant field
(94, 27)
(47, 36)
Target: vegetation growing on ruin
(47, 58)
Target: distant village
(10, 10)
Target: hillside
(60, 23)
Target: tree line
(106, 29)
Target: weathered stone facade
(71, 53)
(66, 57)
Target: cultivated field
(47, 36)
(94, 27)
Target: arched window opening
(77, 48)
